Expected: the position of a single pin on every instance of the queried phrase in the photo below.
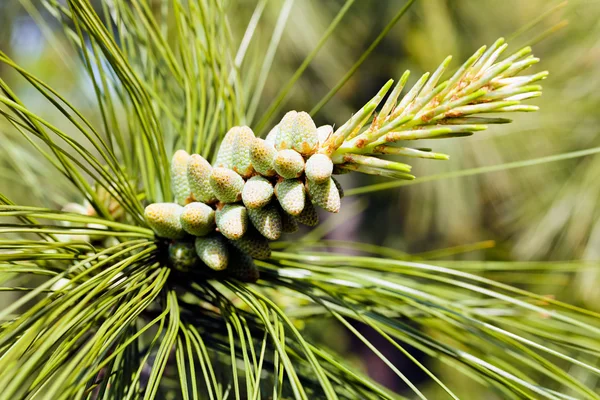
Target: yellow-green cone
(198, 176)
(242, 267)
(164, 219)
(198, 219)
(257, 192)
(297, 131)
(290, 193)
(226, 184)
(272, 135)
(325, 195)
(182, 256)
(255, 245)
(318, 168)
(213, 251)
(240, 158)
(285, 129)
(289, 164)
(262, 155)
(305, 139)
(179, 182)
(339, 187)
(308, 216)
(267, 221)
(232, 221)
(225, 153)
(288, 223)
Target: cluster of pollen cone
(225, 214)
(258, 188)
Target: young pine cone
(227, 213)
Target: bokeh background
(546, 212)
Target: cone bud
(179, 182)
(182, 256)
(198, 176)
(267, 221)
(318, 168)
(240, 158)
(232, 221)
(339, 187)
(272, 135)
(325, 195)
(297, 131)
(164, 219)
(198, 219)
(285, 130)
(262, 155)
(257, 192)
(225, 153)
(226, 184)
(289, 164)
(213, 251)
(290, 193)
(305, 139)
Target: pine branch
(129, 312)
(430, 110)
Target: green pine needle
(101, 311)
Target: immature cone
(308, 216)
(182, 256)
(304, 135)
(318, 168)
(242, 267)
(198, 176)
(325, 195)
(267, 221)
(290, 193)
(179, 182)
(213, 251)
(232, 221)
(297, 131)
(164, 220)
(225, 153)
(240, 159)
(198, 219)
(272, 135)
(289, 164)
(252, 243)
(285, 130)
(339, 187)
(257, 192)
(262, 155)
(226, 184)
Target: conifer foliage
(163, 270)
(294, 164)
